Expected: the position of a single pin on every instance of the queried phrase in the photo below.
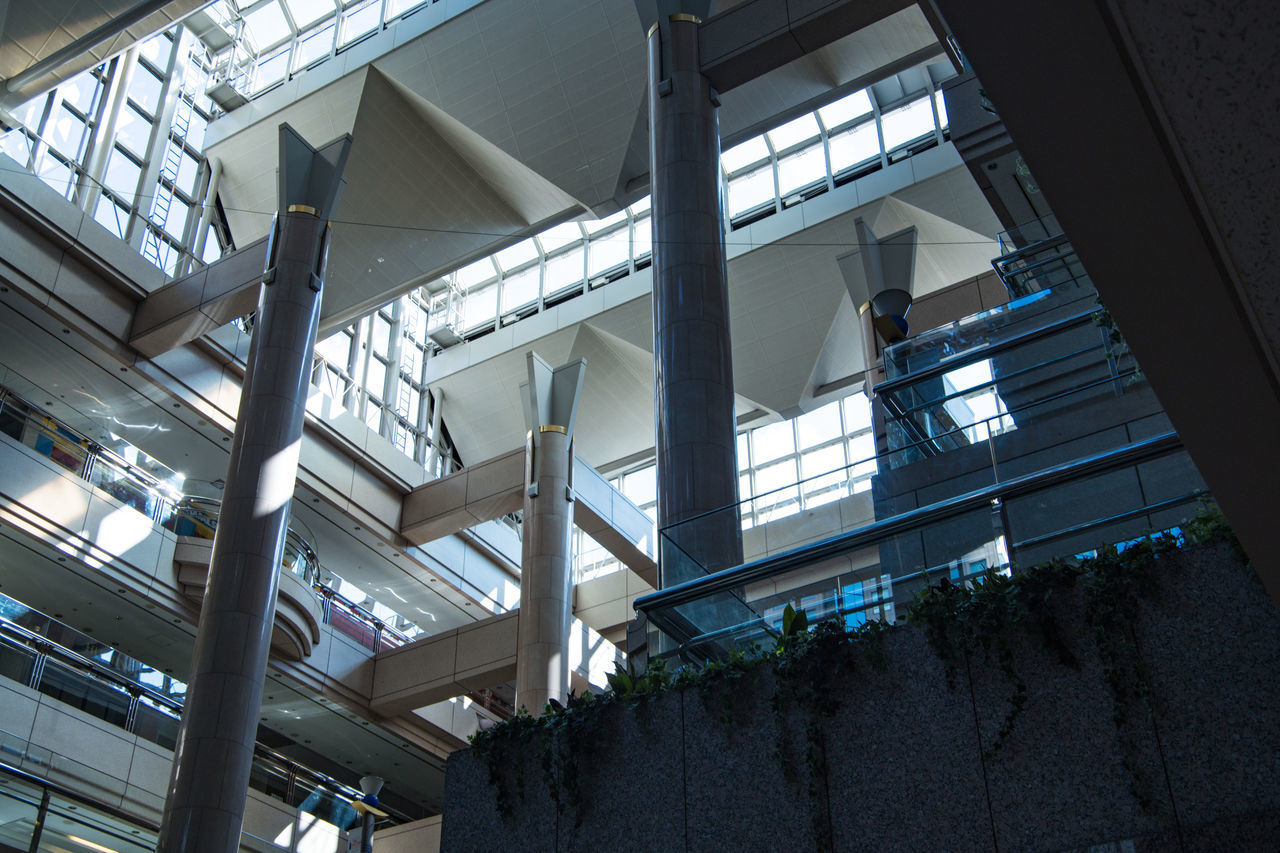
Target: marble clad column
(546, 564)
(210, 778)
(696, 430)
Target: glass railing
(122, 691)
(1045, 265)
(198, 518)
(839, 561)
(148, 487)
(978, 332)
(1012, 384)
(40, 815)
(143, 484)
(943, 420)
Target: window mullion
(162, 122)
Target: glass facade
(143, 178)
(274, 40)
(783, 468)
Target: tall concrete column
(210, 778)
(546, 563)
(696, 431)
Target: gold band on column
(553, 428)
(685, 17)
(302, 208)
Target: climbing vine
(982, 618)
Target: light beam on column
(207, 788)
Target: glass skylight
(751, 151)
(266, 26)
(307, 12)
(560, 236)
(846, 109)
(517, 255)
(794, 132)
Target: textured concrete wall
(908, 761)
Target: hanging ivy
(983, 618)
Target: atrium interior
(492, 239)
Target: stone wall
(907, 760)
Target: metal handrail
(899, 580)
(169, 507)
(984, 351)
(869, 534)
(62, 791)
(47, 648)
(918, 444)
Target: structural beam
(491, 489)
(695, 428)
(196, 304)
(205, 804)
(474, 657)
(546, 557)
(756, 36)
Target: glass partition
(73, 825)
(147, 486)
(841, 561)
(20, 806)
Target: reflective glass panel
(67, 133)
(907, 122)
(122, 174)
(559, 236)
(805, 167)
(514, 256)
(266, 26)
(595, 226)
(480, 306)
(770, 442)
(751, 151)
(359, 20)
(133, 131)
(607, 252)
(751, 190)
(819, 426)
(313, 46)
(793, 132)
(520, 289)
(846, 109)
(854, 146)
(113, 217)
(565, 269)
(19, 804)
(642, 241)
(307, 12)
(145, 88)
(473, 274)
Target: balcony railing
(127, 693)
(863, 572)
(148, 487)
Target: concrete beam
(474, 657)
(198, 303)
(493, 488)
(757, 36)
(480, 492)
